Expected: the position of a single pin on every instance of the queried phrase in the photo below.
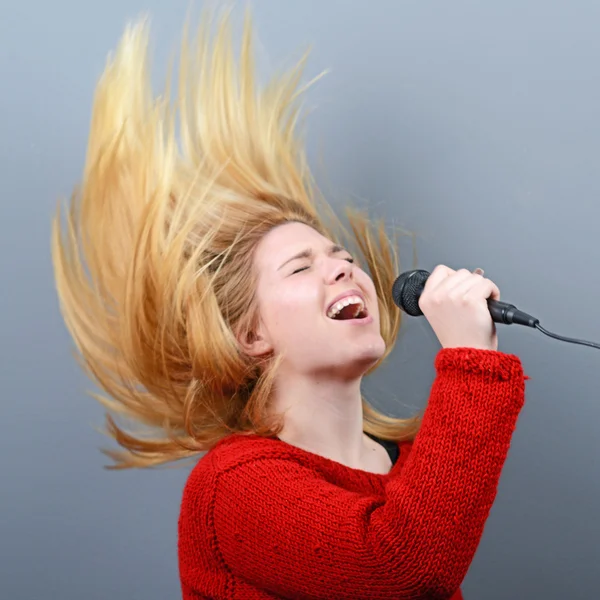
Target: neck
(323, 416)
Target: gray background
(475, 124)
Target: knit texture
(261, 518)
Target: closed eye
(299, 270)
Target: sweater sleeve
(281, 527)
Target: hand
(455, 304)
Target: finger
(459, 279)
(464, 283)
(485, 288)
(455, 279)
(495, 293)
(437, 276)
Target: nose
(339, 270)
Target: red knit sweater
(262, 519)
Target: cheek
(366, 283)
(289, 308)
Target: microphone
(409, 286)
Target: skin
(317, 389)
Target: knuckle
(436, 299)
(453, 296)
(471, 299)
(467, 300)
(463, 301)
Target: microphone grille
(407, 290)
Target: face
(315, 306)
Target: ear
(255, 342)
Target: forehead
(284, 241)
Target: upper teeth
(335, 309)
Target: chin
(353, 362)
(375, 346)
(372, 356)
(363, 357)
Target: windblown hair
(153, 264)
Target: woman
(216, 306)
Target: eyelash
(350, 260)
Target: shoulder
(239, 450)
(242, 457)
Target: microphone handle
(503, 312)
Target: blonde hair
(153, 266)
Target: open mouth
(351, 307)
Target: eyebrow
(309, 253)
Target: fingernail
(478, 271)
